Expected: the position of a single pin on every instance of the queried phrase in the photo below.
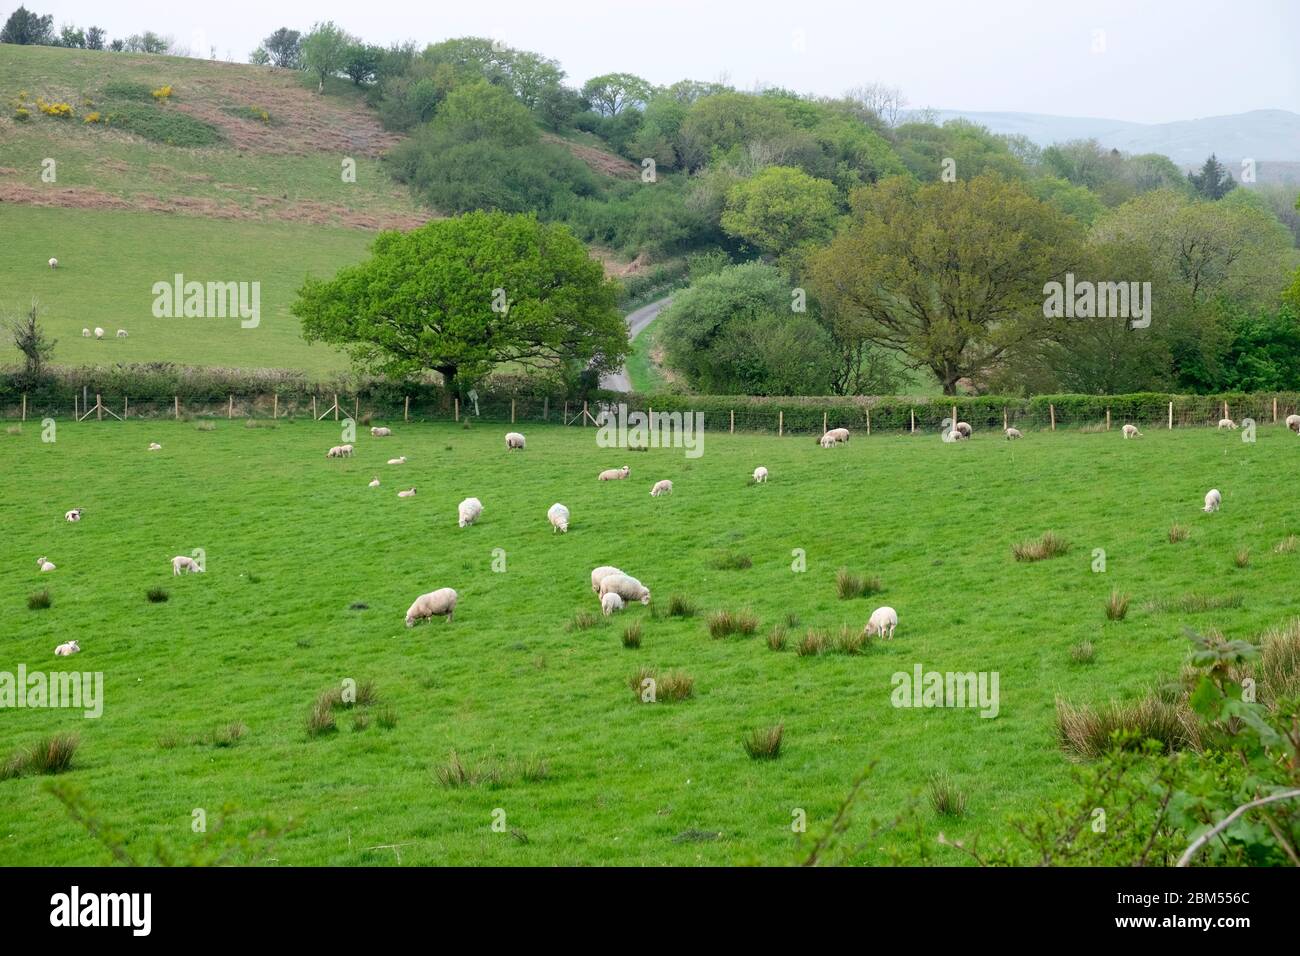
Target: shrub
(1082, 653)
(1116, 606)
(632, 636)
(1090, 732)
(764, 743)
(814, 642)
(39, 600)
(22, 114)
(162, 94)
(1049, 545)
(157, 595)
(92, 117)
(679, 606)
(57, 110)
(776, 638)
(946, 798)
(849, 585)
(1178, 532)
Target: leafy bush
(169, 127)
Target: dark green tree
(1213, 181)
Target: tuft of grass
(725, 623)
(733, 561)
(206, 427)
(639, 677)
(1286, 545)
(39, 600)
(455, 772)
(946, 798)
(157, 595)
(675, 686)
(1178, 532)
(360, 721)
(813, 642)
(321, 720)
(1089, 732)
(849, 585)
(1083, 653)
(1277, 671)
(14, 430)
(49, 755)
(764, 743)
(1116, 606)
(1194, 603)
(1241, 558)
(583, 621)
(679, 606)
(1050, 545)
(386, 717)
(791, 619)
(776, 638)
(632, 636)
(228, 735)
(851, 640)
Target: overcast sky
(1139, 60)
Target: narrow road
(636, 321)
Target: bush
(1116, 606)
(764, 743)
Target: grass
(764, 743)
(157, 595)
(48, 755)
(946, 798)
(39, 600)
(726, 623)
(632, 636)
(1178, 532)
(849, 585)
(1050, 545)
(1085, 731)
(221, 649)
(1116, 606)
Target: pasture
(294, 541)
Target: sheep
(408, 493)
(468, 511)
(99, 333)
(380, 432)
(374, 483)
(964, 428)
(882, 618)
(664, 487)
(73, 515)
(954, 435)
(826, 441)
(1228, 423)
(625, 586)
(514, 440)
(121, 333)
(839, 434)
(182, 564)
(1130, 431)
(339, 451)
(1293, 422)
(1212, 501)
(85, 333)
(614, 474)
(1013, 433)
(760, 475)
(610, 602)
(154, 446)
(439, 603)
(44, 564)
(558, 516)
(346, 450)
(67, 649)
(397, 461)
(600, 573)
(54, 263)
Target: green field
(293, 540)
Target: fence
(781, 416)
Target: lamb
(558, 516)
(1227, 423)
(963, 428)
(73, 515)
(514, 440)
(1130, 431)
(826, 441)
(625, 586)
(882, 618)
(610, 602)
(614, 474)
(1212, 501)
(760, 475)
(1293, 422)
(44, 564)
(600, 573)
(121, 333)
(85, 333)
(99, 333)
(154, 446)
(339, 451)
(469, 510)
(380, 432)
(68, 649)
(664, 487)
(374, 483)
(54, 263)
(181, 563)
(439, 603)
(955, 435)
(1013, 433)
(408, 493)
(397, 461)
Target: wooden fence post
(275, 405)
(733, 421)
(76, 411)
(566, 411)
(25, 408)
(585, 416)
(313, 408)
(913, 413)
(546, 408)
(1052, 411)
(99, 407)
(1107, 418)
(126, 407)
(954, 418)
(1274, 409)
(336, 406)
(406, 412)
(780, 423)
(868, 422)
(1171, 416)
(456, 410)
(230, 407)
(512, 411)
(1005, 423)
(176, 403)
(823, 423)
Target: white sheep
(99, 333)
(839, 434)
(614, 474)
(380, 432)
(610, 602)
(1130, 431)
(514, 440)
(954, 435)
(625, 586)
(68, 649)
(408, 493)
(964, 428)
(73, 515)
(1228, 423)
(339, 451)
(85, 333)
(44, 564)
(601, 573)
(439, 603)
(1013, 433)
(397, 461)
(826, 441)
(664, 487)
(374, 483)
(121, 333)
(1293, 422)
(882, 619)
(760, 475)
(468, 511)
(1212, 500)
(558, 516)
(54, 263)
(182, 564)
(154, 446)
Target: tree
(95, 38)
(885, 103)
(27, 28)
(780, 209)
(361, 61)
(324, 51)
(72, 38)
(484, 111)
(460, 296)
(948, 275)
(36, 350)
(1213, 181)
(284, 48)
(260, 57)
(612, 93)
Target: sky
(1146, 61)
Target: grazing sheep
(54, 263)
(600, 574)
(558, 516)
(1227, 423)
(339, 451)
(1130, 431)
(1293, 422)
(839, 434)
(85, 333)
(514, 440)
(154, 446)
(1013, 433)
(964, 428)
(826, 441)
(882, 618)
(99, 333)
(380, 432)
(44, 564)
(181, 563)
(68, 649)
(439, 603)
(73, 515)
(760, 475)
(955, 435)
(469, 510)
(121, 333)
(1212, 500)
(664, 487)
(614, 474)
(625, 586)
(408, 493)
(610, 602)
(374, 483)
(397, 461)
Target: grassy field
(293, 541)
